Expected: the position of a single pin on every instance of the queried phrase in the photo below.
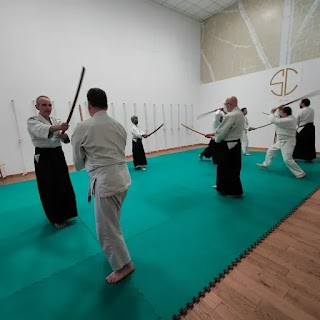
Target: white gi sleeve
(79, 155)
(137, 132)
(227, 123)
(39, 129)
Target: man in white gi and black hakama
(228, 146)
(138, 154)
(306, 138)
(52, 175)
(209, 152)
(99, 147)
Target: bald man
(53, 180)
(228, 140)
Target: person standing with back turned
(306, 138)
(99, 147)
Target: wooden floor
(279, 280)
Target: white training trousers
(244, 142)
(107, 212)
(286, 148)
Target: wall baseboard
(30, 174)
(258, 149)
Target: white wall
(136, 50)
(254, 92)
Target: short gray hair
(38, 99)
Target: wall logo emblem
(284, 82)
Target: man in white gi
(138, 154)
(244, 138)
(228, 145)
(209, 152)
(305, 148)
(99, 147)
(286, 140)
(52, 175)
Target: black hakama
(210, 151)
(305, 146)
(54, 184)
(139, 156)
(228, 169)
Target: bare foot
(60, 225)
(118, 275)
(261, 165)
(302, 175)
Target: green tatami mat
(180, 232)
(41, 251)
(78, 293)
